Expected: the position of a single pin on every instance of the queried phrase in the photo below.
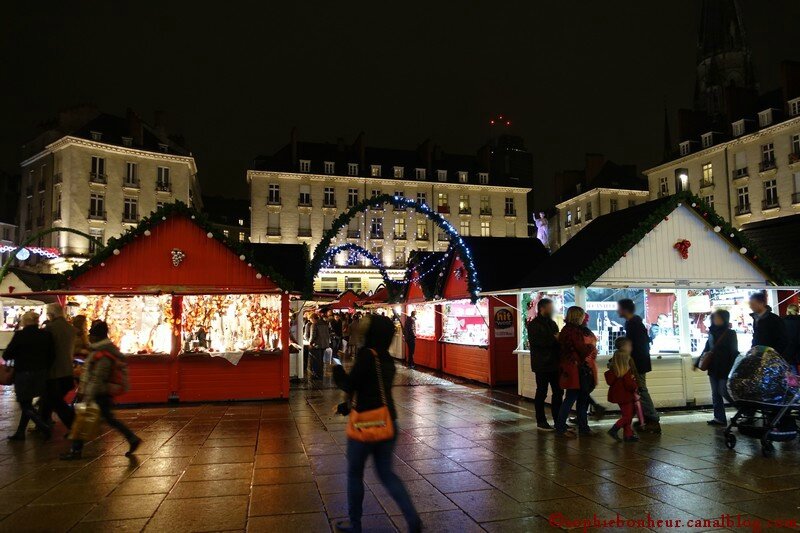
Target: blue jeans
(719, 393)
(571, 397)
(357, 455)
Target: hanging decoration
(683, 248)
(26, 251)
(178, 256)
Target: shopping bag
(87, 422)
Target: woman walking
(370, 385)
(578, 374)
(32, 352)
(718, 357)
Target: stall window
(425, 320)
(466, 323)
(703, 302)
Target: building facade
(753, 176)
(298, 192)
(99, 174)
(578, 212)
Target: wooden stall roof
(425, 288)
(142, 260)
(346, 300)
(615, 238)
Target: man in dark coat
(792, 322)
(544, 348)
(60, 379)
(410, 334)
(768, 328)
(636, 331)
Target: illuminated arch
(400, 202)
(31, 239)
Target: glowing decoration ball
(116, 252)
(102, 264)
(259, 276)
(717, 229)
(241, 257)
(23, 255)
(742, 250)
(147, 233)
(163, 218)
(209, 234)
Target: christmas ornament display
(178, 256)
(683, 248)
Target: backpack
(118, 378)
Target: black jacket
(792, 353)
(637, 333)
(543, 343)
(410, 328)
(31, 349)
(725, 351)
(362, 381)
(769, 330)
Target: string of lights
(25, 253)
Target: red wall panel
(205, 378)
(149, 379)
(471, 362)
(427, 354)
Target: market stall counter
(640, 254)
(200, 319)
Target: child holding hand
(622, 389)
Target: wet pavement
(471, 459)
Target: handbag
(586, 378)
(375, 425)
(6, 374)
(86, 425)
(706, 358)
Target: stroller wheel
(767, 448)
(730, 441)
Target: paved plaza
(471, 458)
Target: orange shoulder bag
(374, 425)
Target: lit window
(464, 228)
(352, 169)
(441, 175)
(422, 228)
(419, 173)
(483, 178)
(568, 220)
(485, 229)
(462, 177)
(442, 199)
(226, 233)
(375, 171)
(305, 165)
(399, 228)
(397, 172)
(739, 165)
(708, 174)
(463, 204)
(330, 167)
(241, 236)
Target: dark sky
(574, 76)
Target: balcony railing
(511, 212)
(400, 236)
(274, 201)
(304, 232)
(743, 209)
(273, 232)
(739, 173)
(95, 177)
(376, 235)
(795, 198)
(767, 164)
(163, 187)
(770, 203)
(97, 215)
(568, 224)
(353, 234)
(304, 203)
(131, 184)
(443, 209)
(794, 157)
(422, 237)
(706, 183)
(329, 205)
(486, 211)
(464, 211)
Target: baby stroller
(766, 394)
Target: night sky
(234, 77)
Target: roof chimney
(135, 127)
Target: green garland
(603, 262)
(177, 208)
(398, 202)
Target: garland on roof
(399, 202)
(737, 239)
(146, 225)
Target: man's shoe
(573, 420)
(715, 422)
(133, 445)
(632, 438)
(654, 427)
(344, 527)
(72, 455)
(16, 437)
(544, 426)
(598, 412)
(614, 432)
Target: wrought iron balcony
(163, 187)
(464, 211)
(770, 203)
(511, 212)
(486, 211)
(304, 232)
(95, 177)
(767, 164)
(97, 215)
(796, 198)
(353, 234)
(376, 235)
(273, 232)
(743, 209)
(400, 236)
(274, 201)
(794, 157)
(423, 236)
(740, 173)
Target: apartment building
(99, 174)
(297, 192)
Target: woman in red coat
(577, 351)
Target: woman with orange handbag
(371, 428)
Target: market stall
(18, 281)
(678, 262)
(199, 319)
(424, 275)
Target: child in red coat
(622, 389)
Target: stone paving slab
(470, 457)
